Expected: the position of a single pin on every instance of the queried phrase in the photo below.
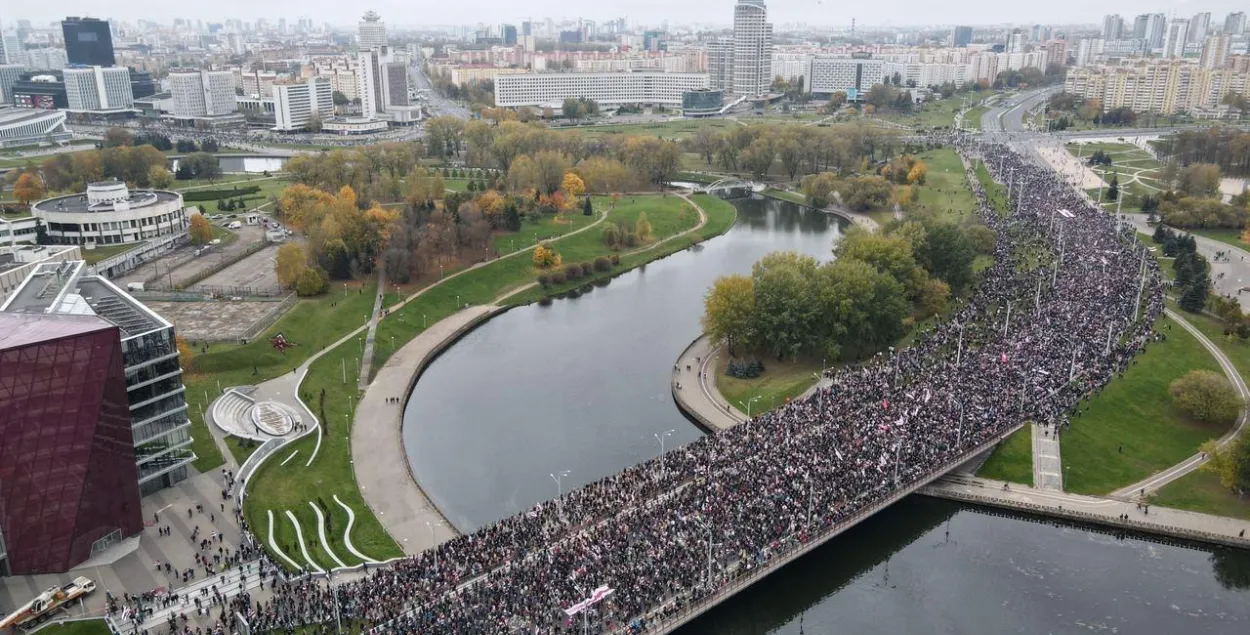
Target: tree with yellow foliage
(289, 264)
(916, 175)
(545, 257)
(298, 205)
(573, 184)
(201, 230)
(28, 188)
(185, 354)
(642, 227)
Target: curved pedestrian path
(696, 394)
(1156, 481)
(321, 533)
(303, 547)
(347, 533)
(273, 544)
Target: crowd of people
(1039, 336)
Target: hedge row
(214, 195)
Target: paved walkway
(1106, 511)
(366, 355)
(1156, 481)
(378, 455)
(1235, 267)
(1047, 464)
(697, 396)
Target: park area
(1139, 173)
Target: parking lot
(214, 320)
(182, 264)
(255, 272)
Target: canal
(582, 386)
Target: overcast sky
(817, 12)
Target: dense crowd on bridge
(1029, 345)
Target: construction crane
(46, 603)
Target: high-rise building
(199, 93)
(1174, 40)
(851, 75)
(1140, 24)
(1156, 28)
(961, 36)
(1235, 23)
(753, 48)
(46, 59)
(1113, 27)
(382, 86)
(1199, 27)
(371, 32)
(11, 49)
(9, 74)
(527, 28)
(68, 484)
(298, 106)
(1215, 51)
(98, 88)
(1015, 42)
(720, 64)
(88, 41)
(508, 33)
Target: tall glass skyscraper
(88, 41)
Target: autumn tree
(642, 227)
(28, 188)
(289, 264)
(159, 177)
(573, 184)
(728, 311)
(201, 230)
(545, 257)
(1207, 396)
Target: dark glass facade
(702, 102)
(88, 41)
(67, 456)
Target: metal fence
(272, 316)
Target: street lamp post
(660, 437)
(559, 486)
(433, 543)
(747, 405)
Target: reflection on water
(930, 566)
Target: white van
(134, 286)
(235, 225)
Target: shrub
(1207, 396)
(311, 282)
(544, 281)
(616, 260)
(573, 271)
(602, 264)
(586, 268)
(558, 278)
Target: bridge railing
(667, 622)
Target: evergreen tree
(587, 208)
(1194, 298)
(512, 220)
(1113, 192)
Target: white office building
(1113, 27)
(296, 106)
(638, 87)
(199, 93)
(371, 32)
(1235, 23)
(382, 87)
(720, 64)
(98, 88)
(1199, 27)
(853, 76)
(753, 48)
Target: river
(582, 386)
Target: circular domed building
(110, 213)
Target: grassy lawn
(780, 382)
(1226, 236)
(280, 488)
(1012, 459)
(1200, 491)
(1237, 350)
(544, 228)
(241, 448)
(793, 197)
(677, 129)
(80, 627)
(312, 324)
(935, 114)
(972, 118)
(946, 192)
(995, 192)
(101, 252)
(1135, 413)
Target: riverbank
(696, 398)
(335, 373)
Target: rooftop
(17, 116)
(59, 289)
(24, 329)
(82, 203)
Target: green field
(995, 192)
(946, 192)
(1136, 169)
(544, 228)
(676, 129)
(102, 252)
(780, 382)
(1012, 459)
(1200, 491)
(786, 195)
(79, 627)
(277, 487)
(972, 118)
(1131, 430)
(1227, 236)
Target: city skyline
(811, 12)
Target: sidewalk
(1047, 463)
(1104, 511)
(697, 395)
(383, 472)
